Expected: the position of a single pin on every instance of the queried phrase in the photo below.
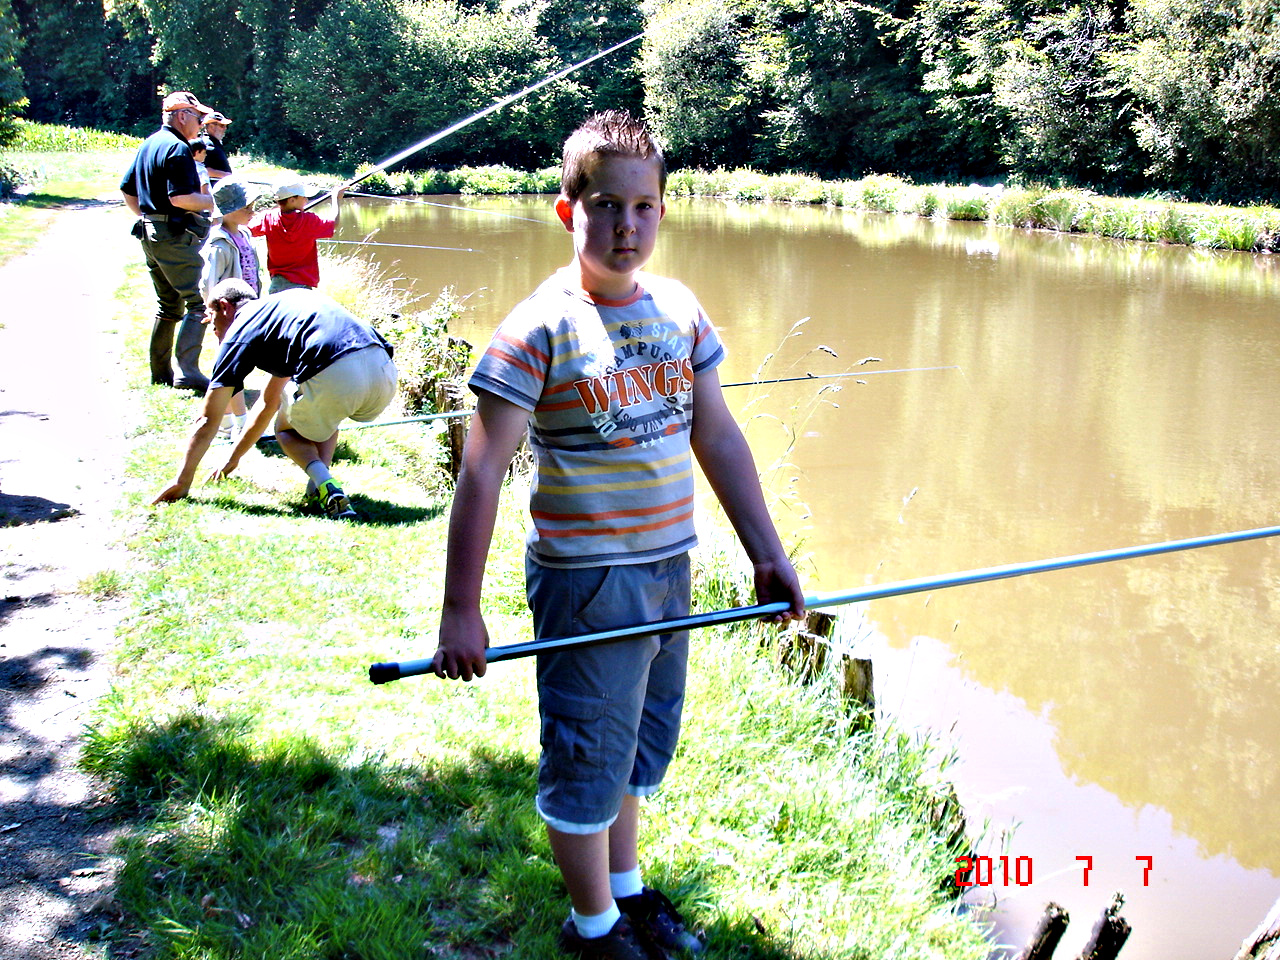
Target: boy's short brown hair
(609, 133)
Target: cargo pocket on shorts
(573, 737)
(609, 604)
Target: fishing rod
(478, 115)
(834, 376)
(745, 383)
(447, 206)
(387, 672)
(448, 414)
(412, 246)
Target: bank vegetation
(1173, 98)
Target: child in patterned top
(604, 367)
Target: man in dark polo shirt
(162, 189)
(325, 366)
(215, 128)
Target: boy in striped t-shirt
(604, 367)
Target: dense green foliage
(1138, 96)
(12, 99)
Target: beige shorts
(358, 385)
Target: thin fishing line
(833, 376)
(412, 246)
(448, 206)
(745, 383)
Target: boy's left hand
(776, 581)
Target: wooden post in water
(1264, 942)
(1048, 932)
(452, 394)
(1109, 934)
(805, 654)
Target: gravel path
(61, 448)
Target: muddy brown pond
(1117, 726)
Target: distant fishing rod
(836, 376)
(387, 672)
(447, 206)
(479, 115)
(448, 414)
(412, 246)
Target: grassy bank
(286, 808)
(280, 806)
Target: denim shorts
(610, 713)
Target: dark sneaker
(336, 504)
(620, 943)
(650, 911)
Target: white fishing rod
(450, 414)
(478, 115)
(387, 672)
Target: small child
(228, 253)
(198, 153)
(604, 367)
(292, 233)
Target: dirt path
(61, 446)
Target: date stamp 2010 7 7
(1017, 871)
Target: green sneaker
(336, 504)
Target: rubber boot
(161, 351)
(190, 338)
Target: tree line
(1179, 97)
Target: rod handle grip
(384, 672)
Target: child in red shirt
(292, 233)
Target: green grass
(281, 806)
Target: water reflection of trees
(1112, 394)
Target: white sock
(318, 473)
(597, 926)
(625, 884)
(238, 420)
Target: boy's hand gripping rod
(386, 672)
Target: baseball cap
(217, 117)
(231, 194)
(292, 188)
(183, 99)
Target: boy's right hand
(463, 639)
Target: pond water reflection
(1106, 395)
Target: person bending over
(325, 366)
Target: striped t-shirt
(609, 385)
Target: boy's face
(614, 223)
(293, 204)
